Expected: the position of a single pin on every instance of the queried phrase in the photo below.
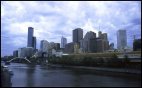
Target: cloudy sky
(52, 19)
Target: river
(45, 76)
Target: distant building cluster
(90, 43)
(31, 46)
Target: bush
(115, 56)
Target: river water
(46, 76)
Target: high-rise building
(121, 39)
(96, 45)
(25, 52)
(63, 42)
(93, 45)
(77, 35)
(57, 46)
(100, 44)
(44, 46)
(137, 45)
(105, 41)
(86, 41)
(99, 34)
(30, 37)
(34, 43)
(52, 45)
(106, 45)
(104, 36)
(69, 48)
(15, 53)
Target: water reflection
(41, 76)
(30, 75)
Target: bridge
(25, 58)
(19, 58)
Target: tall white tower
(121, 39)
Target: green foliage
(115, 56)
(89, 60)
(126, 59)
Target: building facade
(86, 41)
(104, 36)
(30, 37)
(34, 43)
(76, 48)
(69, 48)
(137, 45)
(44, 46)
(25, 52)
(121, 39)
(63, 42)
(99, 34)
(57, 46)
(106, 45)
(77, 35)
(93, 45)
(15, 53)
(96, 45)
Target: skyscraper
(137, 45)
(99, 34)
(86, 41)
(77, 35)
(104, 36)
(97, 45)
(63, 42)
(34, 43)
(57, 46)
(30, 37)
(121, 39)
(69, 48)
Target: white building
(59, 54)
(63, 42)
(25, 52)
(20, 52)
(121, 39)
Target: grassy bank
(96, 60)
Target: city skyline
(54, 22)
